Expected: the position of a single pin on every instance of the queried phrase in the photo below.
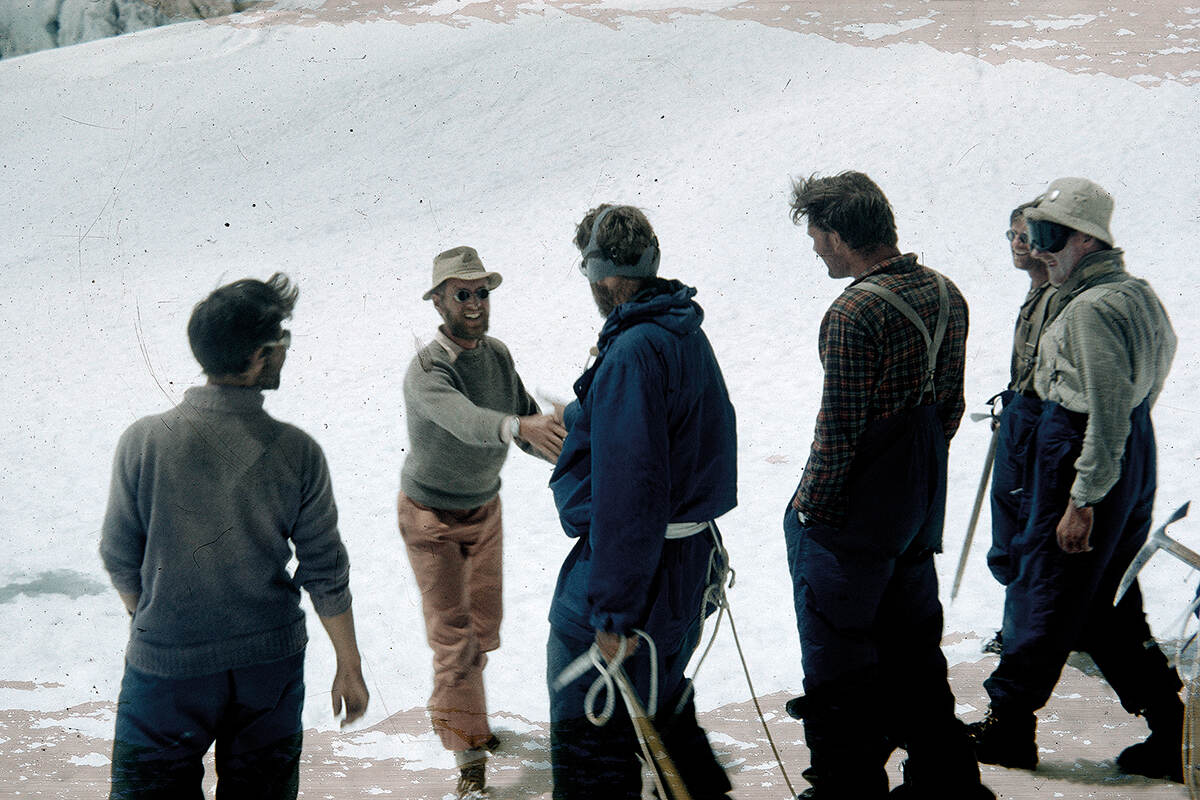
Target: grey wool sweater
(456, 401)
(207, 501)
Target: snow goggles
(1047, 236)
(284, 341)
(463, 295)
(596, 266)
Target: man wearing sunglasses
(207, 503)
(1019, 402)
(1091, 480)
(465, 403)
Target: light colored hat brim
(1053, 214)
(493, 280)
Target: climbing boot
(1161, 754)
(1007, 739)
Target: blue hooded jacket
(651, 439)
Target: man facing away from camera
(866, 520)
(1090, 478)
(465, 404)
(1020, 404)
(649, 462)
(207, 502)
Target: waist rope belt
(932, 343)
(593, 658)
(612, 675)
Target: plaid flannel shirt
(875, 364)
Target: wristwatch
(514, 427)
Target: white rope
(604, 682)
(715, 596)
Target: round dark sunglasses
(1020, 238)
(463, 295)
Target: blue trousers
(870, 622)
(1009, 496)
(601, 762)
(166, 725)
(1058, 602)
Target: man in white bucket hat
(1089, 487)
(465, 403)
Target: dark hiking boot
(1006, 739)
(1161, 754)
(471, 781)
(995, 644)
(906, 791)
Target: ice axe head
(1154, 542)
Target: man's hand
(1074, 529)
(544, 432)
(349, 690)
(610, 644)
(130, 601)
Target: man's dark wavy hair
(1019, 211)
(623, 234)
(849, 204)
(236, 319)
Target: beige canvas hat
(460, 262)
(1077, 203)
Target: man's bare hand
(544, 432)
(610, 644)
(349, 690)
(1074, 529)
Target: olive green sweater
(456, 402)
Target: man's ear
(258, 363)
(837, 243)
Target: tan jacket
(1030, 322)
(1109, 348)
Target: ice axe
(983, 483)
(1158, 540)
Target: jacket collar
(1103, 266)
(230, 399)
(906, 262)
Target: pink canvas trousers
(456, 557)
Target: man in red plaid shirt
(866, 520)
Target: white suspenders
(932, 344)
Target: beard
(463, 328)
(606, 299)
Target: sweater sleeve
(630, 487)
(431, 392)
(1104, 373)
(324, 566)
(123, 537)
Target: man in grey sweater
(205, 501)
(1090, 477)
(465, 405)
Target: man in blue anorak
(650, 460)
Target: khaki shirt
(1109, 348)
(1028, 331)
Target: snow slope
(138, 173)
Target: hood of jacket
(666, 303)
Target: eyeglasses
(1047, 236)
(284, 341)
(463, 295)
(1020, 239)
